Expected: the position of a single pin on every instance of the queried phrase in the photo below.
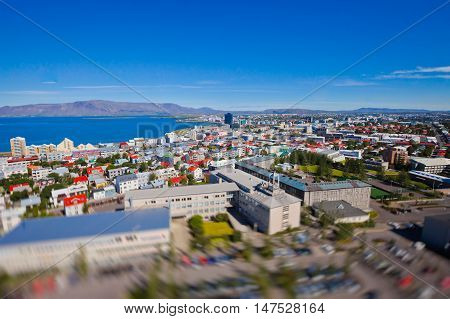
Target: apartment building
(58, 195)
(114, 172)
(18, 146)
(66, 145)
(126, 183)
(7, 169)
(185, 201)
(40, 173)
(265, 205)
(396, 155)
(73, 205)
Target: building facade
(18, 147)
(38, 244)
(185, 201)
(265, 205)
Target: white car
(328, 249)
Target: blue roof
(297, 184)
(61, 228)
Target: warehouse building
(106, 239)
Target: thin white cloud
(48, 82)
(440, 72)
(100, 87)
(30, 92)
(439, 69)
(89, 87)
(354, 83)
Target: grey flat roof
(250, 182)
(126, 178)
(435, 161)
(441, 218)
(339, 209)
(294, 183)
(181, 191)
(62, 228)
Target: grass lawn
(420, 185)
(214, 229)
(309, 168)
(391, 173)
(337, 173)
(377, 193)
(371, 172)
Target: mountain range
(110, 108)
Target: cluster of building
(205, 170)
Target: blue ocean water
(45, 130)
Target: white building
(10, 218)
(74, 205)
(58, 195)
(267, 207)
(38, 244)
(40, 173)
(126, 183)
(9, 169)
(18, 147)
(66, 145)
(166, 173)
(205, 200)
(340, 212)
(354, 154)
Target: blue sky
(228, 54)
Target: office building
(437, 165)
(265, 205)
(185, 201)
(433, 180)
(107, 239)
(228, 119)
(354, 192)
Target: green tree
(81, 265)
(191, 180)
(143, 167)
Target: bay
(82, 130)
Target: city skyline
(232, 57)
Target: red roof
(23, 159)
(177, 180)
(165, 164)
(75, 200)
(13, 187)
(80, 179)
(91, 170)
